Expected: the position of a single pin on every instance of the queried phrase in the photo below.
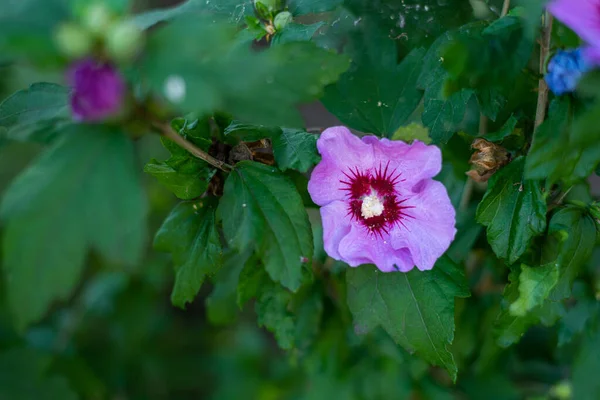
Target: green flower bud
(73, 41)
(123, 40)
(282, 20)
(97, 18)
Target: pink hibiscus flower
(378, 202)
(582, 16)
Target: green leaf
(271, 309)
(23, 375)
(219, 74)
(553, 155)
(510, 328)
(190, 234)
(577, 319)
(292, 148)
(444, 117)
(27, 30)
(576, 233)
(444, 114)
(183, 174)
(31, 114)
(221, 305)
(301, 7)
(586, 385)
(415, 308)
(535, 285)
(296, 33)
(412, 132)
(513, 210)
(505, 131)
(568, 245)
(82, 193)
(233, 10)
(186, 186)
(296, 149)
(253, 278)
(377, 98)
(490, 58)
(260, 207)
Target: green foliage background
(119, 284)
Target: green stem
(542, 103)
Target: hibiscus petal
(415, 162)
(336, 225)
(340, 151)
(428, 229)
(582, 16)
(360, 247)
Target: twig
(542, 102)
(505, 8)
(168, 132)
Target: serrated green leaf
(553, 155)
(190, 234)
(491, 101)
(377, 98)
(535, 285)
(183, 174)
(443, 117)
(271, 309)
(260, 207)
(186, 186)
(513, 210)
(415, 308)
(296, 33)
(412, 132)
(34, 113)
(82, 193)
(296, 149)
(568, 255)
(23, 375)
(510, 328)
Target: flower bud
(73, 41)
(488, 159)
(565, 70)
(123, 40)
(282, 20)
(98, 90)
(97, 18)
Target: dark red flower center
(373, 199)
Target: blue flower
(565, 70)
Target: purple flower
(565, 70)
(582, 16)
(378, 202)
(98, 90)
